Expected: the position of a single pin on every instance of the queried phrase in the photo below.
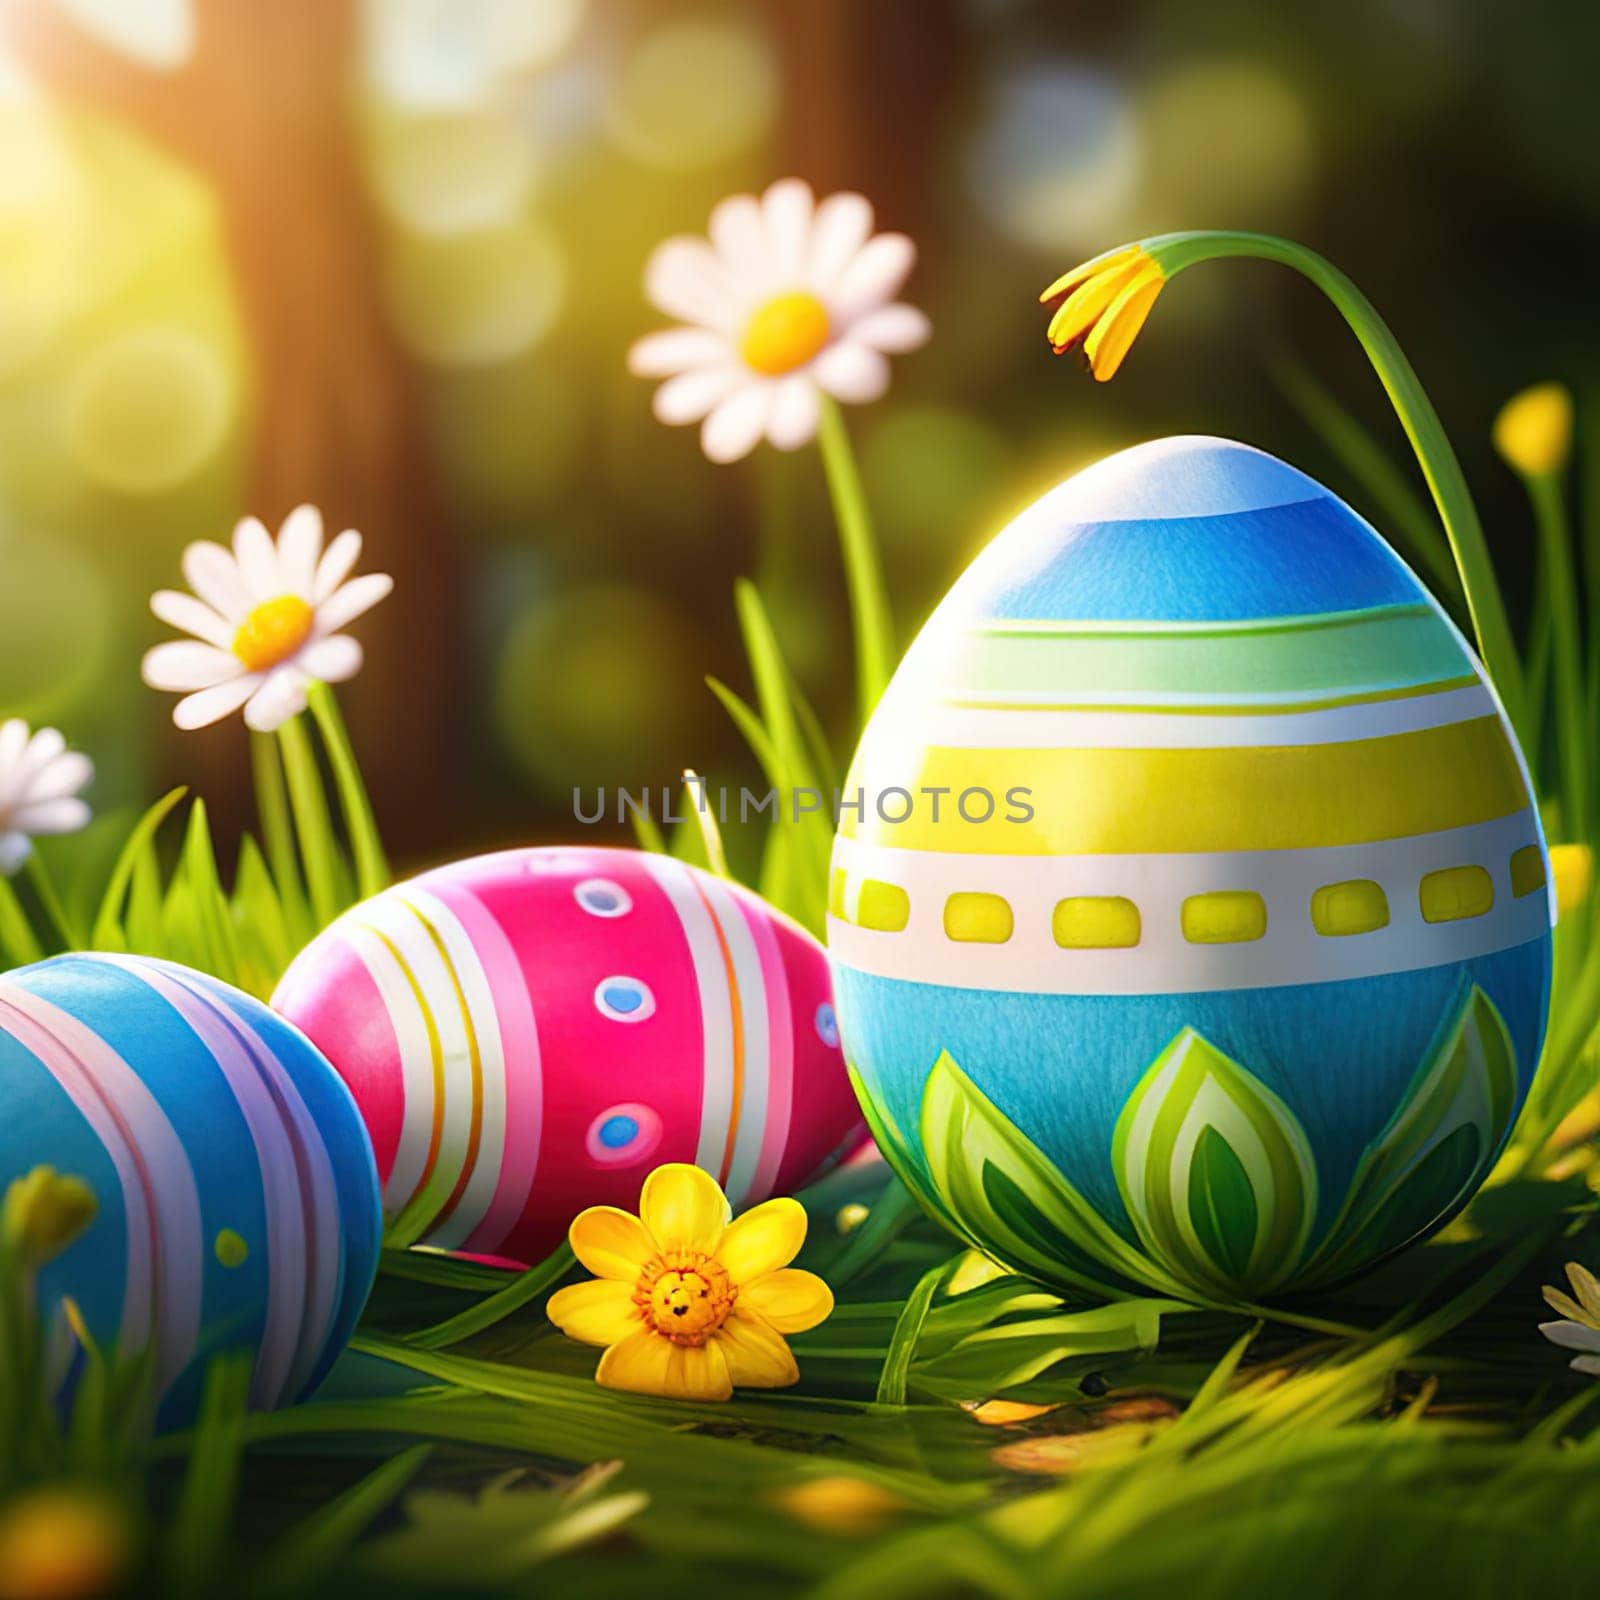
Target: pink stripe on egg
(780, 1033)
(519, 1045)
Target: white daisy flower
(1579, 1328)
(788, 299)
(39, 783)
(265, 619)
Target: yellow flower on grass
(1533, 432)
(789, 300)
(265, 619)
(62, 1544)
(687, 1303)
(1103, 305)
(44, 1212)
(1572, 867)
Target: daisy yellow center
(684, 1296)
(785, 333)
(272, 632)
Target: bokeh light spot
(601, 686)
(691, 93)
(450, 172)
(146, 410)
(55, 625)
(473, 299)
(1057, 158)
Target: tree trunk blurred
(263, 111)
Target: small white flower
(266, 622)
(1579, 1328)
(39, 783)
(788, 298)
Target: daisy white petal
(852, 372)
(786, 210)
(689, 396)
(333, 660)
(893, 329)
(201, 709)
(66, 775)
(257, 556)
(1589, 1366)
(186, 664)
(13, 741)
(733, 428)
(674, 350)
(44, 747)
(740, 237)
(192, 616)
(338, 562)
(874, 277)
(794, 413)
(358, 596)
(1571, 1335)
(686, 279)
(843, 225)
(281, 697)
(299, 546)
(214, 575)
(64, 815)
(15, 848)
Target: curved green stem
(1559, 584)
(1175, 252)
(869, 602)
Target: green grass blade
(106, 933)
(907, 1331)
(361, 827)
(522, 1290)
(66, 930)
(197, 1548)
(17, 938)
(207, 900)
(310, 1551)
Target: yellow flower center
(685, 1296)
(272, 632)
(785, 333)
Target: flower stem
(372, 867)
(312, 822)
(277, 834)
(1560, 587)
(50, 900)
(869, 604)
(17, 939)
(1177, 251)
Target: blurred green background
(386, 257)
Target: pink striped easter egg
(531, 1032)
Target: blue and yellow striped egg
(236, 1188)
(1189, 913)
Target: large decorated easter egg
(237, 1201)
(531, 1032)
(1191, 922)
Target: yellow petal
(839, 1504)
(791, 1300)
(600, 1312)
(610, 1243)
(762, 1240)
(1079, 312)
(1007, 1413)
(683, 1208)
(1586, 1286)
(645, 1363)
(1112, 337)
(1572, 867)
(1088, 269)
(1533, 432)
(756, 1353)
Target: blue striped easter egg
(1190, 912)
(237, 1192)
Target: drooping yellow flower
(687, 1303)
(1572, 867)
(62, 1544)
(1533, 431)
(44, 1212)
(1103, 305)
